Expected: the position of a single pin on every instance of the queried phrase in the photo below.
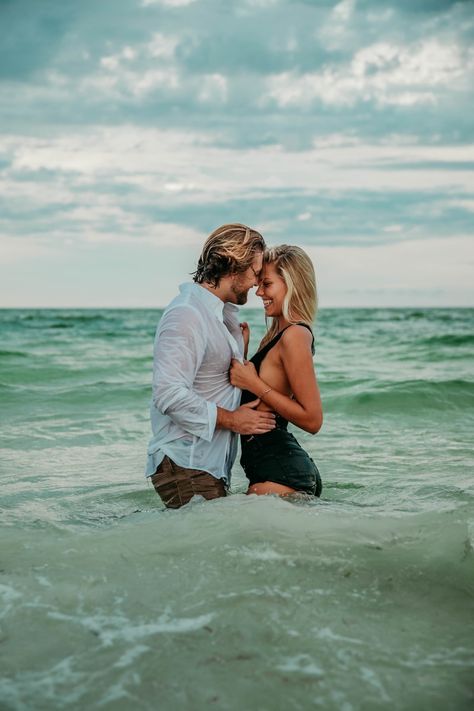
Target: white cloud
(430, 63)
(335, 31)
(144, 83)
(162, 45)
(335, 140)
(137, 70)
(383, 72)
(344, 10)
(120, 82)
(168, 3)
(155, 234)
(152, 160)
(408, 98)
(244, 8)
(112, 62)
(463, 204)
(213, 88)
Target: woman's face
(272, 290)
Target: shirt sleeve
(180, 345)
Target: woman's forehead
(269, 269)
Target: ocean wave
(450, 339)
(57, 319)
(407, 397)
(68, 316)
(13, 354)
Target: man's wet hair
(230, 249)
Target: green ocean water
(361, 600)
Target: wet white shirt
(196, 339)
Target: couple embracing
(206, 392)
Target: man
(195, 413)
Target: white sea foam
(110, 629)
(327, 634)
(373, 679)
(9, 596)
(131, 655)
(265, 553)
(301, 664)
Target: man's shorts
(176, 485)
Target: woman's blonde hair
(297, 271)
(230, 249)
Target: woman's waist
(275, 445)
(281, 427)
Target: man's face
(241, 283)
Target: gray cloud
(114, 62)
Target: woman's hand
(244, 376)
(245, 328)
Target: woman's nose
(259, 291)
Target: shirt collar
(212, 302)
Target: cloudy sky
(130, 129)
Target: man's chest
(222, 344)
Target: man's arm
(180, 346)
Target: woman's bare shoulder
(297, 336)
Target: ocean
(360, 600)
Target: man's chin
(241, 299)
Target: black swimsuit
(276, 455)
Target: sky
(130, 129)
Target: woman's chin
(271, 313)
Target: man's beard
(240, 296)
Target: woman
(282, 375)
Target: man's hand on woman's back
(246, 420)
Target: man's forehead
(258, 262)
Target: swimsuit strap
(260, 355)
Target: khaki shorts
(176, 485)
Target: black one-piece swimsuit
(276, 455)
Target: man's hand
(246, 419)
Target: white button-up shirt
(196, 339)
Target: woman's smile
(272, 290)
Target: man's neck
(216, 290)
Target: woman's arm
(304, 409)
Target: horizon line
(243, 307)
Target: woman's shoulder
(297, 335)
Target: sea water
(360, 600)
